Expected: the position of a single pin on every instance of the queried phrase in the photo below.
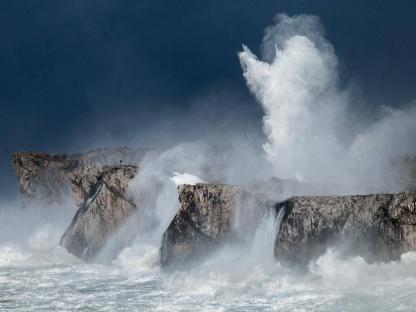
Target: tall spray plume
(311, 136)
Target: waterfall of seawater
(267, 231)
(37, 274)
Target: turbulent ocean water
(37, 274)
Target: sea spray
(135, 283)
(310, 122)
(263, 243)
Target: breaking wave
(297, 87)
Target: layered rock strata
(379, 227)
(209, 215)
(106, 207)
(48, 178)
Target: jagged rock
(377, 227)
(106, 207)
(42, 176)
(48, 178)
(82, 179)
(208, 216)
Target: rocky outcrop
(42, 176)
(105, 208)
(209, 215)
(377, 227)
(48, 178)
(98, 181)
(82, 180)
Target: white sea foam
(307, 116)
(45, 276)
(185, 178)
(296, 84)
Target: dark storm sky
(80, 73)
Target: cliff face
(48, 178)
(377, 227)
(42, 176)
(206, 218)
(82, 180)
(97, 180)
(106, 207)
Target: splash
(263, 244)
(305, 121)
(185, 178)
(297, 85)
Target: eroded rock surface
(106, 207)
(208, 216)
(48, 178)
(377, 227)
(42, 176)
(82, 180)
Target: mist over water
(309, 128)
(37, 274)
(308, 138)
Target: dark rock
(82, 180)
(378, 227)
(208, 216)
(49, 178)
(42, 176)
(106, 207)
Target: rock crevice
(50, 178)
(106, 208)
(379, 227)
(206, 219)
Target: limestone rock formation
(377, 227)
(48, 178)
(208, 216)
(82, 180)
(42, 176)
(105, 208)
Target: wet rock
(209, 215)
(379, 227)
(49, 178)
(82, 180)
(42, 176)
(106, 207)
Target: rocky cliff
(377, 227)
(48, 178)
(209, 215)
(98, 182)
(42, 176)
(106, 206)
